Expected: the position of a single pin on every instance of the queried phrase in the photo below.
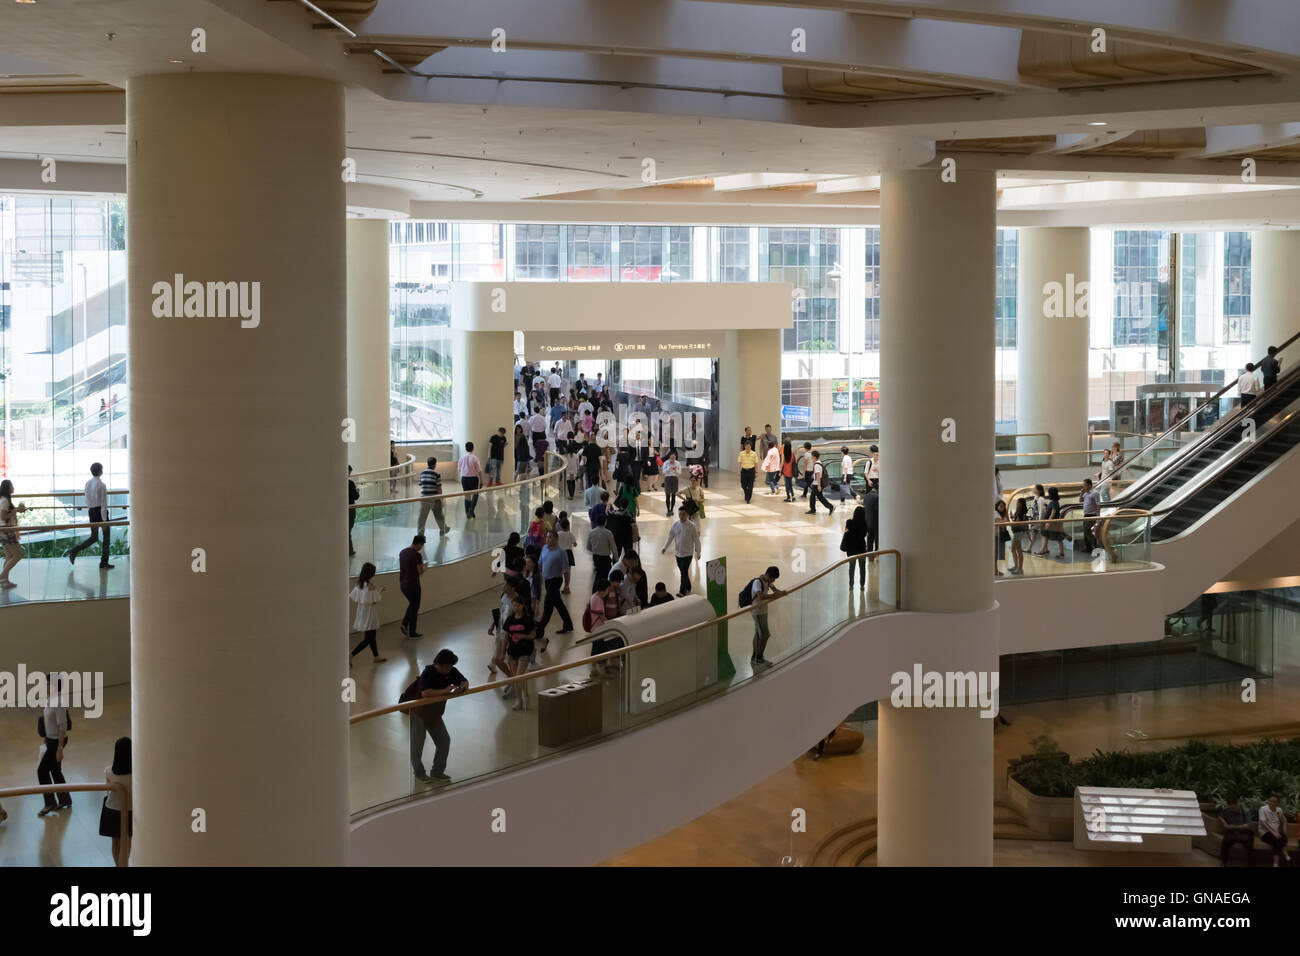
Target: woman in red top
(787, 469)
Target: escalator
(1201, 476)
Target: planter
(1050, 817)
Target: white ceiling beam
(1067, 143)
(1085, 167)
(1119, 192)
(850, 184)
(1264, 33)
(974, 55)
(746, 181)
(1231, 140)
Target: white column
(482, 391)
(749, 389)
(238, 526)
(1274, 292)
(1052, 339)
(935, 767)
(368, 353)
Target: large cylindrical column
(1052, 339)
(1274, 292)
(238, 519)
(935, 766)
(368, 402)
(749, 389)
(482, 391)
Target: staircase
(855, 843)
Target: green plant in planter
(1212, 770)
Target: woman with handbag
(787, 469)
(9, 531)
(854, 543)
(115, 803)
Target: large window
(537, 251)
(871, 290)
(1236, 287)
(733, 254)
(62, 341)
(641, 253)
(809, 260)
(1141, 284)
(680, 257)
(1006, 358)
(589, 252)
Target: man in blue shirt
(554, 562)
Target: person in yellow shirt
(748, 461)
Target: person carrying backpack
(756, 595)
(53, 726)
(434, 681)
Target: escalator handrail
(1195, 411)
(1227, 461)
(1183, 454)
(622, 651)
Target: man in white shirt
(684, 535)
(602, 547)
(555, 382)
(97, 503)
(1250, 384)
(585, 408)
(872, 470)
(817, 486)
(1272, 828)
(563, 429)
(806, 467)
(521, 407)
(846, 475)
(470, 470)
(537, 425)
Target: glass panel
(584, 701)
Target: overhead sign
(796, 413)
(542, 346)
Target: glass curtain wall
(831, 363)
(62, 341)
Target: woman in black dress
(854, 543)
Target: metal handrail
(1195, 410)
(124, 833)
(619, 652)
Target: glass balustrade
(457, 524)
(585, 699)
(1118, 540)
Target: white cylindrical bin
(675, 668)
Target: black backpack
(411, 693)
(746, 597)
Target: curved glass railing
(456, 525)
(1116, 540)
(20, 801)
(381, 530)
(690, 666)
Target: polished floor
(487, 735)
(754, 828)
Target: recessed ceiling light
(1098, 123)
(175, 61)
(24, 1)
